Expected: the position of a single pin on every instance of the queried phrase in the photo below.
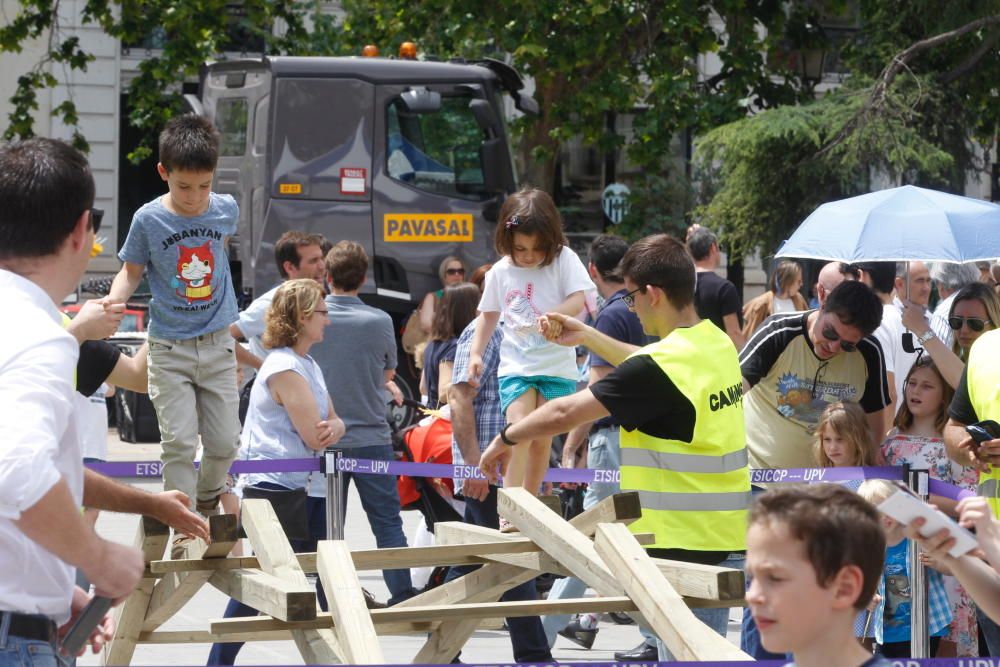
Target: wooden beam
(367, 559)
(151, 538)
(708, 582)
(175, 590)
(352, 622)
(489, 582)
(267, 593)
(202, 637)
(665, 611)
(318, 647)
(557, 538)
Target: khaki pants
(192, 384)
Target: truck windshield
(437, 152)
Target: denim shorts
(512, 386)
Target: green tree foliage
(921, 93)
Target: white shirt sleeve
(490, 302)
(251, 322)
(36, 406)
(573, 274)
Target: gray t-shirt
(187, 266)
(356, 350)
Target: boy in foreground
(814, 555)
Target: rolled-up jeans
(603, 453)
(192, 384)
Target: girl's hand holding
(550, 328)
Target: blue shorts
(512, 386)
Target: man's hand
(477, 489)
(475, 370)
(101, 635)
(497, 454)
(550, 327)
(570, 330)
(173, 509)
(936, 546)
(393, 389)
(96, 320)
(915, 318)
(115, 570)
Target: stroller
(426, 443)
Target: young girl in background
(538, 273)
(843, 439)
(918, 440)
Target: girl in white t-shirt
(538, 274)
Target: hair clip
(512, 221)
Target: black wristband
(503, 436)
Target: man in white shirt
(46, 234)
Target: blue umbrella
(900, 224)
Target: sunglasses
(831, 335)
(455, 272)
(976, 324)
(96, 216)
(629, 298)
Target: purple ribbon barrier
(574, 475)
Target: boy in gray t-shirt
(179, 240)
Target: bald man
(830, 276)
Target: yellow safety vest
(694, 495)
(983, 380)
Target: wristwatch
(926, 336)
(503, 436)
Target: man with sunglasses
(798, 363)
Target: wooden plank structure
(595, 546)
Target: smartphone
(983, 430)
(84, 625)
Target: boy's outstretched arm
(125, 283)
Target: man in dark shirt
(715, 298)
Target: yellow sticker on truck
(422, 227)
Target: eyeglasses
(629, 299)
(975, 323)
(96, 216)
(322, 312)
(831, 335)
(818, 377)
(455, 272)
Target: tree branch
(973, 60)
(879, 91)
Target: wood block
(708, 582)
(268, 594)
(276, 557)
(665, 611)
(352, 622)
(151, 538)
(173, 591)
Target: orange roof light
(408, 51)
(370, 51)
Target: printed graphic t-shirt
(521, 296)
(187, 266)
(790, 387)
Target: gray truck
(409, 158)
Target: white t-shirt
(93, 417)
(521, 296)
(780, 305)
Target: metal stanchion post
(334, 496)
(917, 480)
